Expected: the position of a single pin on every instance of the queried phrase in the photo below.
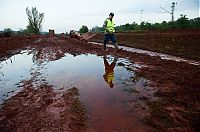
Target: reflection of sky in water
(83, 71)
(104, 103)
(75, 71)
(72, 70)
(13, 71)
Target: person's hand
(107, 31)
(110, 32)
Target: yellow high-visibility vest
(110, 25)
(109, 77)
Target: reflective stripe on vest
(110, 25)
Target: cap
(111, 14)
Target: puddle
(113, 94)
(151, 53)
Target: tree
(97, 29)
(142, 25)
(164, 25)
(183, 22)
(196, 22)
(23, 32)
(84, 29)
(7, 32)
(34, 20)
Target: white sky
(63, 15)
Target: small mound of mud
(43, 109)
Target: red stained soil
(43, 109)
(177, 84)
(184, 44)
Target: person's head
(111, 15)
(111, 85)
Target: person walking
(109, 27)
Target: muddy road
(185, 44)
(60, 84)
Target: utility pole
(172, 13)
(141, 11)
(141, 16)
(172, 10)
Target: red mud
(43, 109)
(185, 44)
(12, 45)
(177, 84)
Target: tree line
(35, 25)
(181, 23)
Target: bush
(7, 32)
(183, 22)
(23, 32)
(84, 29)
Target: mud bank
(43, 109)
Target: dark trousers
(110, 37)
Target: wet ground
(118, 101)
(60, 84)
(179, 43)
(150, 53)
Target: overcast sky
(63, 15)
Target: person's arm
(106, 64)
(105, 25)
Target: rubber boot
(104, 46)
(116, 46)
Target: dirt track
(177, 85)
(184, 44)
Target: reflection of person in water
(109, 71)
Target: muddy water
(115, 97)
